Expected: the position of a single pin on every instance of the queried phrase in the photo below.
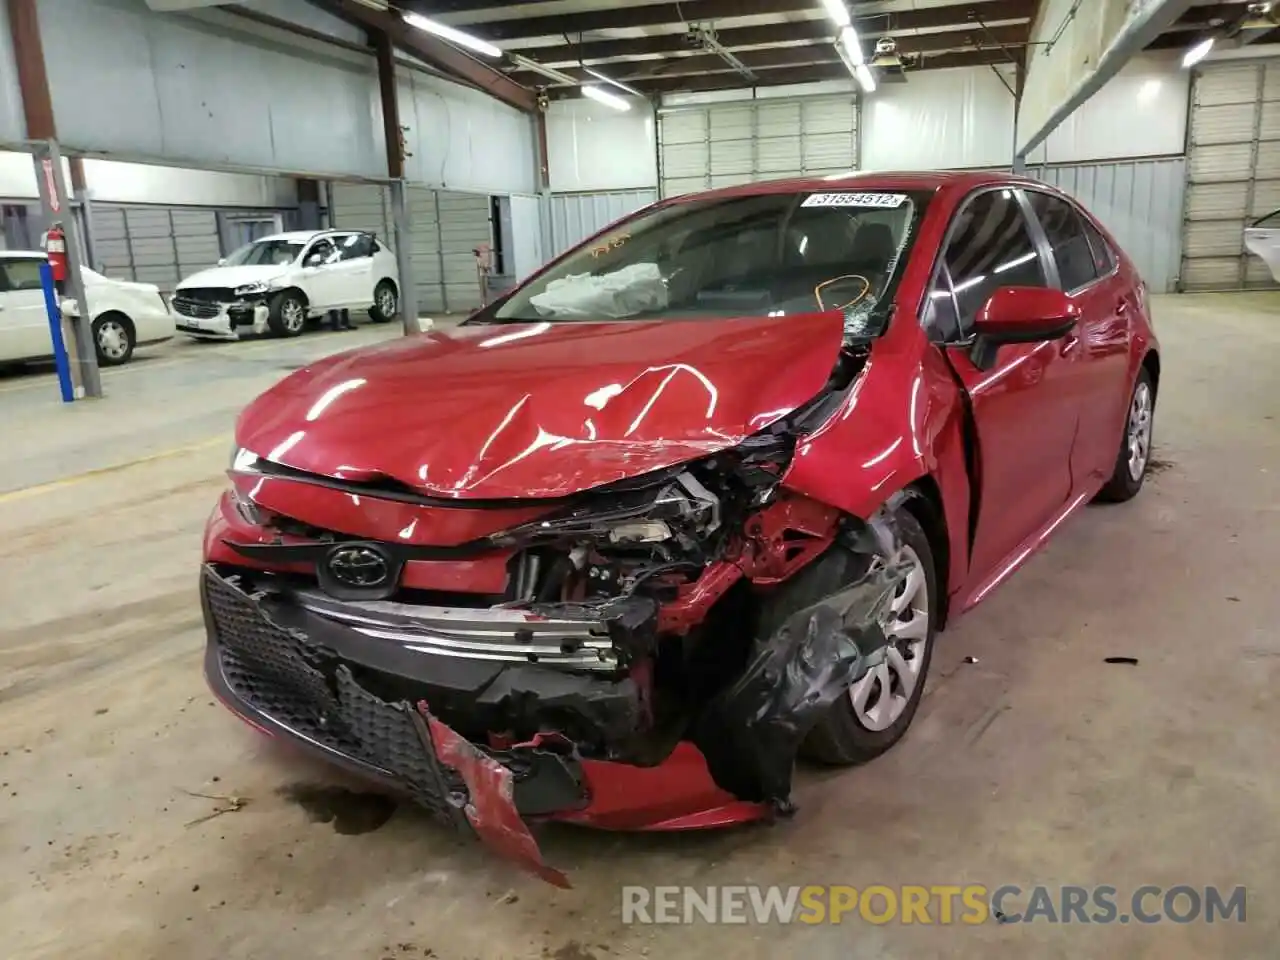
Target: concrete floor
(1041, 763)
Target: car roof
(870, 180)
(302, 236)
(24, 254)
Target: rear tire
(113, 339)
(878, 709)
(287, 314)
(386, 302)
(1134, 456)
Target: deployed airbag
(615, 296)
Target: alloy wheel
(387, 302)
(880, 697)
(1139, 431)
(293, 315)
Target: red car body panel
(539, 411)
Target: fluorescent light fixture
(868, 82)
(452, 35)
(849, 40)
(616, 83)
(550, 72)
(1197, 53)
(603, 96)
(838, 12)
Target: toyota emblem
(358, 566)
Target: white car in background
(125, 314)
(1262, 239)
(276, 283)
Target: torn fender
(751, 732)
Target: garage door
(723, 144)
(154, 244)
(446, 227)
(1233, 173)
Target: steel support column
(393, 135)
(37, 110)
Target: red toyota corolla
(690, 502)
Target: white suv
(277, 282)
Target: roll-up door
(723, 144)
(1233, 172)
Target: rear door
(1024, 423)
(355, 267)
(24, 321)
(1099, 347)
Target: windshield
(278, 253)
(773, 254)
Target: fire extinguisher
(55, 246)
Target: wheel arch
(116, 314)
(391, 280)
(922, 498)
(1151, 363)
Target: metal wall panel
(189, 90)
(724, 144)
(445, 227)
(1233, 172)
(12, 126)
(526, 253)
(576, 216)
(1139, 201)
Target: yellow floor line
(25, 492)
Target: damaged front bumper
(222, 321)
(413, 706)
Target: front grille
(192, 308)
(303, 687)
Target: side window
(19, 275)
(1065, 231)
(355, 246)
(321, 252)
(990, 247)
(1104, 257)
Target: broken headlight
(244, 461)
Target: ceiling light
(837, 11)
(550, 72)
(617, 83)
(1197, 53)
(868, 82)
(849, 40)
(452, 35)
(603, 96)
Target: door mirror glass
(1021, 315)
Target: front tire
(113, 339)
(287, 314)
(1134, 456)
(386, 301)
(880, 707)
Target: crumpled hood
(541, 410)
(232, 276)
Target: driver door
(321, 279)
(1021, 411)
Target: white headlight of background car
(248, 289)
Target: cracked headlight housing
(244, 461)
(251, 289)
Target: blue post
(55, 331)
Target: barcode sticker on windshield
(855, 200)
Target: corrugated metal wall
(1139, 201)
(1233, 172)
(446, 225)
(576, 216)
(159, 245)
(722, 144)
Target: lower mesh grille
(303, 687)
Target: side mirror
(1020, 315)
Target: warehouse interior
(1104, 719)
